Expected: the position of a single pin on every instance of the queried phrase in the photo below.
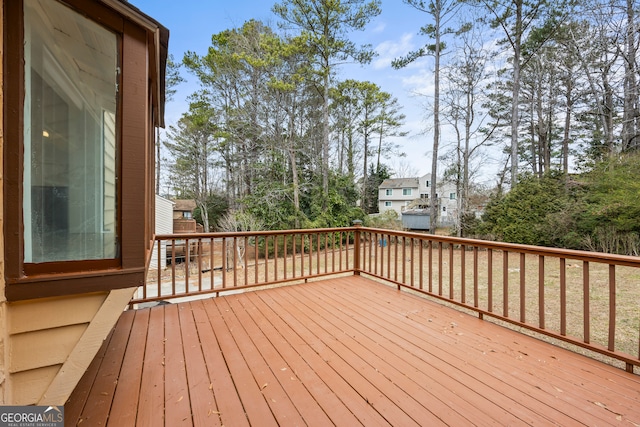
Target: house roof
(184, 205)
(399, 183)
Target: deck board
(151, 401)
(103, 389)
(77, 402)
(343, 351)
(228, 403)
(547, 381)
(124, 407)
(316, 368)
(296, 393)
(201, 399)
(247, 386)
(176, 396)
(431, 386)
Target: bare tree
(441, 11)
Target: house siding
(447, 207)
(163, 225)
(53, 340)
(42, 333)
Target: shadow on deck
(344, 351)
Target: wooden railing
(190, 264)
(587, 299)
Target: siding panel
(31, 350)
(53, 312)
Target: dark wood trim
(13, 86)
(133, 147)
(59, 285)
(62, 267)
(98, 13)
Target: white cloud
(420, 83)
(379, 28)
(392, 49)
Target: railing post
(356, 247)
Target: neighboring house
(164, 225)
(183, 221)
(82, 91)
(402, 194)
(397, 194)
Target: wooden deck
(346, 351)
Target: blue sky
(392, 34)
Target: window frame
(388, 192)
(30, 280)
(407, 191)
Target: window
(444, 209)
(389, 192)
(186, 215)
(70, 130)
(424, 196)
(80, 103)
(452, 196)
(426, 183)
(406, 191)
(387, 204)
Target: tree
(346, 109)
(325, 25)
(190, 144)
(631, 111)
(363, 109)
(376, 176)
(516, 19)
(172, 79)
(441, 11)
(370, 100)
(465, 78)
(537, 211)
(388, 124)
(232, 75)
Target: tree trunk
(380, 144)
(567, 125)
(296, 183)
(464, 194)
(325, 137)
(630, 113)
(534, 155)
(434, 205)
(515, 94)
(365, 192)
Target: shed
(416, 219)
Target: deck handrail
(215, 263)
(499, 297)
(575, 296)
